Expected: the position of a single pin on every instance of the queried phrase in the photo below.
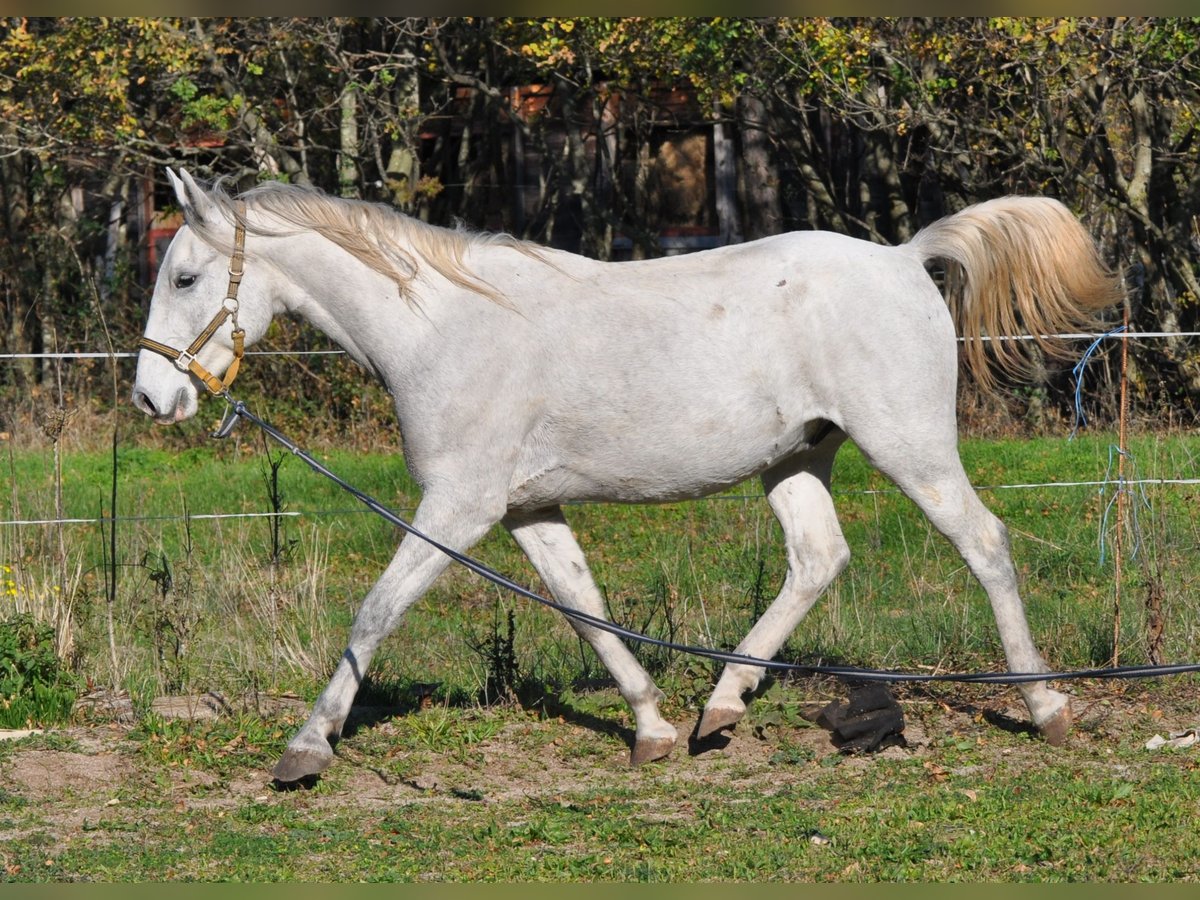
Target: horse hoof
(649, 749)
(716, 718)
(295, 765)
(1056, 729)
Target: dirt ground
(86, 771)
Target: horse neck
(356, 307)
(363, 311)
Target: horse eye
(184, 281)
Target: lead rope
(237, 410)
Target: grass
(35, 687)
(241, 604)
(536, 787)
(974, 804)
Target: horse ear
(193, 199)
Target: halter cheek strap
(185, 360)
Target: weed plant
(35, 687)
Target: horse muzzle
(166, 408)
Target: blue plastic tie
(1080, 418)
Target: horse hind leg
(937, 483)
(817, 552)
(547, 540)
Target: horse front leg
(550, 545)
(410, 573)
(798, 492)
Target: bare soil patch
(546, 758)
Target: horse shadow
(973, 710)
(395, 703)
(398, 705)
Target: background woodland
(613, 137)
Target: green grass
(201, 605)
(539, 789)
(975, 804)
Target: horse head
(201, 315)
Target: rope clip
(233, 413)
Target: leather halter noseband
(185, 360)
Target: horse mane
(380, 237)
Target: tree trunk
(403, 170)
(606, 114)
(762, 212)
(348, 145)
(18, 273)
(578, 224)
(725, 167)
(897, 217)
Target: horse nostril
(144, 403)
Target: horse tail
(1017, 265)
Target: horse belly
(672, 458)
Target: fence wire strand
(1117, 334)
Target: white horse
(525, 377)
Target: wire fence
(1067, 336)
(132, 354)
(1094, 338)
(743, 498)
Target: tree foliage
(872, 127)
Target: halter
(185, 360)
